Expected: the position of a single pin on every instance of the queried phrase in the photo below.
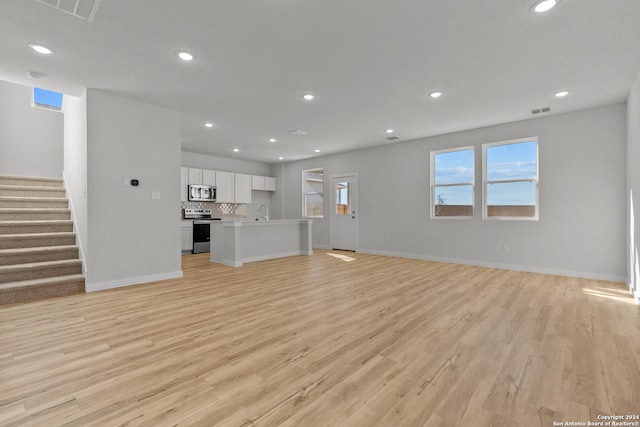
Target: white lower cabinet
(186, 236)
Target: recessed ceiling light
(35, 74)
(280, 158)
(308, 97)
(235, 150)
(316, 150)
(388, 130)
(562, 94)
(185, 56)
(543, 5)
(208, 124)
(272, 140)
(435, 94)
(41, 49)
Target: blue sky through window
(511, 162)
(47, 98)
(454, 167)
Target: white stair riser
(38, 256)
(38, 273)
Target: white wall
(75, 165)
(132, 238)
(31, 139)
(581, 230)
(633, 188)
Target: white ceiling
(370, 63)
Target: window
(511, 179)
(47, 99)
(313, 193)
(452, 180)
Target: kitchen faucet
(266, 212)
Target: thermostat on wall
(135, 182)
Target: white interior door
(344, 218)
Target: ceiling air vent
(541, 110)
(83, 9)
(297, 132)
(392, 138)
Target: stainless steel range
(201, 229)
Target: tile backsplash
(219, 210)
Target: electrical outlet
(505, 248)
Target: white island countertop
(236, 241)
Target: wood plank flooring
(335, 339)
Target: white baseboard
(516, 267)
(327, 247)
(634, 292)
(273, 256)
(101, 286)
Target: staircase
(38, 253)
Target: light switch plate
(155, 195)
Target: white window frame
(305, 193)
(434, 185)
(486, 182)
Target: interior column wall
(633, 188)
(134, 231)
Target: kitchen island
(234, 242)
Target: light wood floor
(325, 341)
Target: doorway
(344, 218)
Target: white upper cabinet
(242, 191)
(230, 187)
(224, 187)
(263, 183)
(195, 176)
(208, 177)
(269, 183)
(257, 182)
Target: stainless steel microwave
(202, 193)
